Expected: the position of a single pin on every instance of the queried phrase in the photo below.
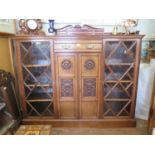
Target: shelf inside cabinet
(115, 81)
(116, 99)
(40, 100)
(38, 85)
(37, 65)
(119, 64)
(35, 96)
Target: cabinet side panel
(20, 78)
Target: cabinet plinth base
(100, 123)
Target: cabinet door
(66, 75)
(89, 77)
(119, 77)
(34, 72)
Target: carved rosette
(66, 64)
(89, 64)
(66, 88)
(90, 87)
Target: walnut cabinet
(79, 77)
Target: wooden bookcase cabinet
(80, 77)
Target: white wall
(145, 26)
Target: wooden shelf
(119, 64)
(39, 85)
(40, 100)
(116, 117)
(38, 65)
(115, 81)
(116, 99)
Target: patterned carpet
(34, 130)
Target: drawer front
(78, 45)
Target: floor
(141, 129)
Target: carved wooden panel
(89, 87)
(90, 64)
(66, 88)
(80, 30)
(66, 65)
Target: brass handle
(66, 46)
(90, 46)
(78, 45)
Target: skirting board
(106, 123)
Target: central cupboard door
(77, 78)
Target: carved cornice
(79, 30)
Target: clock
(30, 27)
(32, 24)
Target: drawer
(78, 46)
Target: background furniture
(152, 111)
(145, 87)
(80, 77)
(10, 116)
(6, 120)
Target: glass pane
(35, 52)
(34, 92)
(117, 108)
(118, 91)
(34, 75)
(120, 52)
(116, 72)
(40, 108)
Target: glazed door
(121, 63)
(77, 77)
(35, 76)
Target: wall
(5, 61)
(7, 26)
(145, 26)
